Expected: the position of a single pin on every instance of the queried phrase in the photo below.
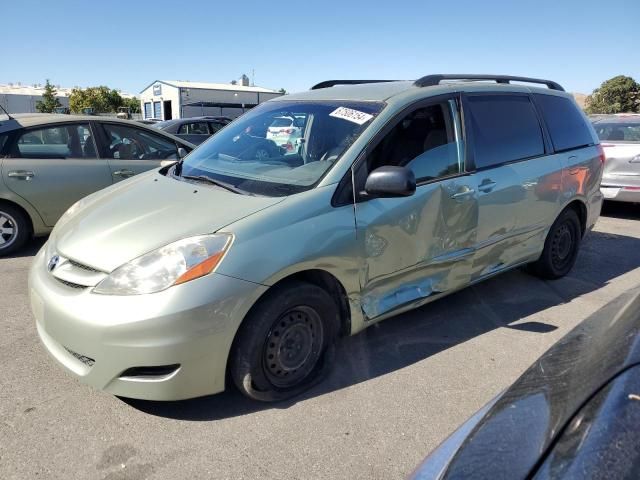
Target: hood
(131, 218)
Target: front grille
(70, 284)
(88, 361)
(83, 267)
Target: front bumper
(97, 338)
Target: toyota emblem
(53, 263)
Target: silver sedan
(620, 137)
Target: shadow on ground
(30, 249)
(625, 211)
(501, 302)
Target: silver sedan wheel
(8, 230)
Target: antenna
(253, 77)
(7, 113)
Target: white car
(286, 132)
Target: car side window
(567, 127)
(130, 143)
(505, 128)
(195, 128)
(215, 126)
(424, 141)
(56, 142)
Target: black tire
(560, 247)
(15, 229)
(277, 354)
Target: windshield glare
(255, 158)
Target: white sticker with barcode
(351, 115)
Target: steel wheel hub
(293, 346)
(562, 245)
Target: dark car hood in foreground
(517, 431)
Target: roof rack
(331, 83)
(431, 80)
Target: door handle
(124, 173)
(487, 186)
(463, 194)
(21, 174)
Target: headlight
(173, 264)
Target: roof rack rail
(431, 80)
(331, 83)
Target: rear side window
(196, 128)
(56, 142)
(611, 132)
(566, 124)
(505, 128)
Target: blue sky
(294, 44)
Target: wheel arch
(581, 210)
(326, 281)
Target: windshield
(248, 156)
(621, 132)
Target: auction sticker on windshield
(351, 115)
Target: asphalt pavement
(398, 389)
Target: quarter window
(195, 128)
(424, 141)
(505, 128)
(567, 127)
(215, 126)
(129, 143)
(56, 142)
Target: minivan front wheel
(286, 344)
(14, 229)
(560, 248)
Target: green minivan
(232, 266)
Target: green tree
(617, 95)
(49, 100)
(102, 99)
(282, 91)
(133, 104)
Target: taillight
(601, 154)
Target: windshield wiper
(217, 183)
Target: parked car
(620, 138)
(573, 414)
(195, 130)
(48, 162)
(124, 113)
(249, 268)
(286, 132)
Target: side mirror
(182, 152)
(389, 181)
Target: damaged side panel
(417, 247)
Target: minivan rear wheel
(560, 247)
(14, 229)
(286, 343)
